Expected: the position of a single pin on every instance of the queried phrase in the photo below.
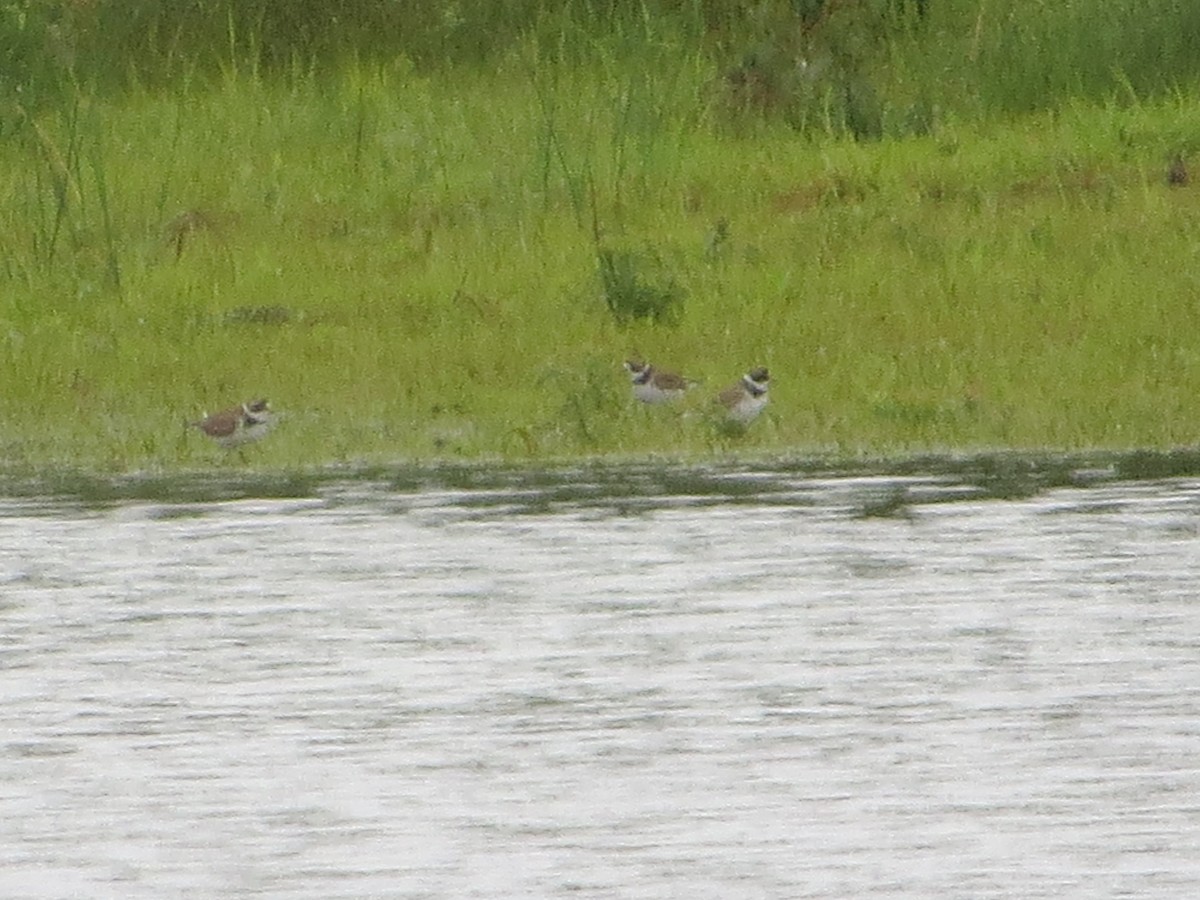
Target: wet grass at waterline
(411, 268)
(863, 488)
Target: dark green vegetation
(942, 225)
(880, 488)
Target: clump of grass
(630, 294)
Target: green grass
(407, 266)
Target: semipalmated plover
(651, 385)
(743, 401)
(239, 424)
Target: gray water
(747, 684)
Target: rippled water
(715, 683)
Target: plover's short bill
(742, 402)
(651, 385)
(239, 424)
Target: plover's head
(257, 413)
(257, 410)
(759, 376)
(638, 370)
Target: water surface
(603, 682)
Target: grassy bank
(407, 265)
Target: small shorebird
(651, 385)
(743, 401)
(239, 424)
